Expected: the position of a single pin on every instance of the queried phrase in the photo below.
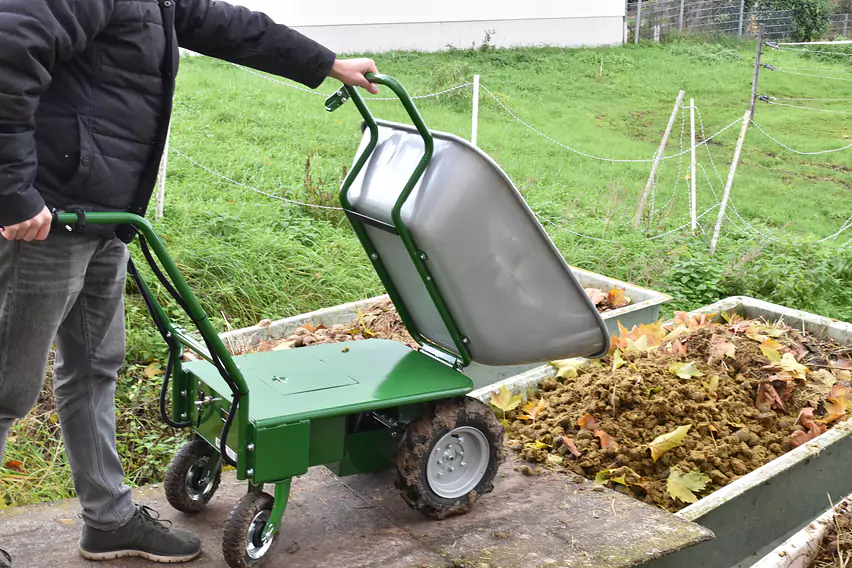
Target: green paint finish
(367, 452)
(369, 375)
(281, 452)
(279, 504)
(328, 440)
(209, 419)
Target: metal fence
(655, 19)
(839, 26)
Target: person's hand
(35, 229)
(352, 72)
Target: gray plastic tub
(759, 511)
(645, 308)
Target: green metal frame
(181, 396)
(418, 257)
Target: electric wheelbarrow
(474, 277)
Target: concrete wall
(384, 25)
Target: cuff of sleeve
(20, 206)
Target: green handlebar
(195, 311)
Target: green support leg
(282, 495)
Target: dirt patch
(835, 550)
(715, 400)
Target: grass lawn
(250, 257)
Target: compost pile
(835, 549)
(675, 412)
(382, 321)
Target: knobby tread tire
(175, 484)
(420, 437)
(236, 528)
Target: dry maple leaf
(665, 442)
(806, 419)
(719, 349)
(596, 295)
(15, 465)
(533, 410)
(837, 403)
(623, 475)
(503, 400)
(616, 298)
(685, 370)
(768, 398)
(771, 349)
(571, 446)
(684, 485)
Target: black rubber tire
(237, 526)
(420, 438)
(175, 485)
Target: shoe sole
(115, 555)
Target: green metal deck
(337, 379)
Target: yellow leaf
(617, 361)
(54, 418)
(153, 370)
(568, 368)
(623, 475)
(538, 445)
(533, 410)
(685, 370)
(666, 442)
(683, 485)
(641, 345)
(555, 460)
(789, 364)
(771, 348)
(504, 400)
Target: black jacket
(86, 92)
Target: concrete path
(358, 522)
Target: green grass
(250, 257)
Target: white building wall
(432, 25)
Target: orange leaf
(587, 422)
(798, 437)
(15, 465)
(309, 327)
(616, 298)
(607, 441)
(835, 404)
(572, 447)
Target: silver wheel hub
(458, 462)
(200, 479)
(256, 545)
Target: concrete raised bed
(757, 512)
(645, 308)
(801, 549)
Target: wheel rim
(458, 462)
(256, 545)
(200, 478)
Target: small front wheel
(243, 544)
(449, 457)
(193, 476)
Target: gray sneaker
(145, 536)
(5, 559)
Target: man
(85, 98)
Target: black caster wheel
(193, 476)
(243, 544)
(449, 457)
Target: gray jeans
(68, 290)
